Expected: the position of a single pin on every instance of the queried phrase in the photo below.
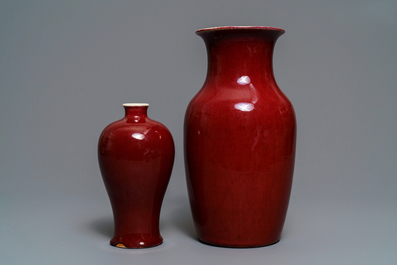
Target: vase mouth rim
(260, 28)
(135, 104)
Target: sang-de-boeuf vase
(239, 140)
(136, 156)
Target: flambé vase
(239, 141)
(136, 156)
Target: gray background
(67, 66)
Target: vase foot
(237, 245)
(136, 241)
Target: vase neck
(237, 55)
(136, 111)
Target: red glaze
(240, 133)
(136, 156)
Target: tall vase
(239, 137)
(136, 156)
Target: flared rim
(136, 105)
(239, 28)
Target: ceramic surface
(239, 137)
(136, 156)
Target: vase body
(239, 139)
(136, 156)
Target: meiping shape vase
(136, 156)
(239, 137)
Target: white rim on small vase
(136, 105)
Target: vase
(136, 156)
(239, 141)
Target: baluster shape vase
(136, 156)
(239, 141)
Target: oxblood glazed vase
(136, 156)
(239, 137)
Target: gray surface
(67, 66)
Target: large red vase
(239, 137)
(136, 156)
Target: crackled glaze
(239, 137)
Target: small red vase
(239, 135)
(136, 156)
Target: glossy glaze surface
(239, 135)
(136, 156)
